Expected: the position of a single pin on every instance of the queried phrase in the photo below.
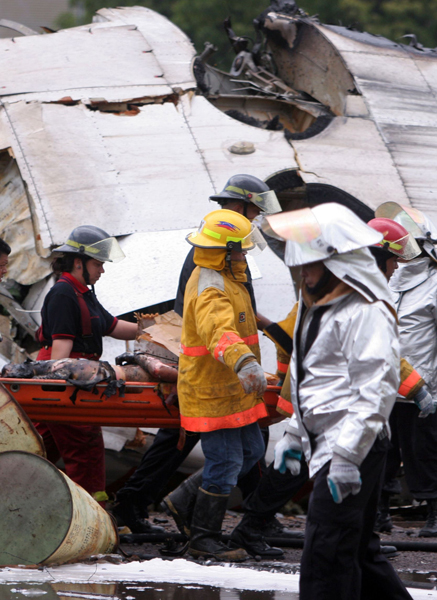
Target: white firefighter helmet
(318, 233)
(415, 222)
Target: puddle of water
(132, 591)
(420, 579)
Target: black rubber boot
(180, 503)
(270, 527)
(244, 536)
(128, 513)
(383, 519)
(430, 527)
(206, 529)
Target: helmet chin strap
(229, 247)
(86, 275)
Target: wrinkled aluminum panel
(133, 173)
(171, 47)
(399, 86)
(215, 132)
(350, 154)
(415, 150)
(25, 265)
(112, 56)
(93, 56)
(93, 95)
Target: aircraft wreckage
(119, 124)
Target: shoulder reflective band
(409, 383)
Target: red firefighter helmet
(396, 239)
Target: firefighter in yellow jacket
(221, 382)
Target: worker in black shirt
(249, 196)
(73, 325)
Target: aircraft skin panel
(175, 57)
(215, 134)
(344, 154)
(116, 56)
(98, 95)
(143, 169)
(148, 275)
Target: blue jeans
(230, 454)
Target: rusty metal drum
(45, 517)
(16, 429)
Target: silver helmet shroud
(334, 234)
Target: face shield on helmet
(314, 234)
(249, 189)
(267, 201)
(107, 250)
(94, 242)
(396, 238)
(228, 230)
(415, 222)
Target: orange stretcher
(142, 405)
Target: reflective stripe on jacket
(219, 333)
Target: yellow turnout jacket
(219, 334)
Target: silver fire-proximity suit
(414, 287)
(344, 373)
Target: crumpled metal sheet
(25, 265)
(149, 172)
(399, 86)
(97, 56)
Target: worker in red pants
(73, 326)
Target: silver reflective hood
(359, 270)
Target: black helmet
(247, 188)
(93, 242)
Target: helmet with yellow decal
(397, 239)
(88, 240)
(227, 230)
(249, 189)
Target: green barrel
(45, 518)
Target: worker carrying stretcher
(73, 326)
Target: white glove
(343, 478)
(252, 378)
(424, 401)
(288, 452)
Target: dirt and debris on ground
(405, 529)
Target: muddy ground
(406, 529)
